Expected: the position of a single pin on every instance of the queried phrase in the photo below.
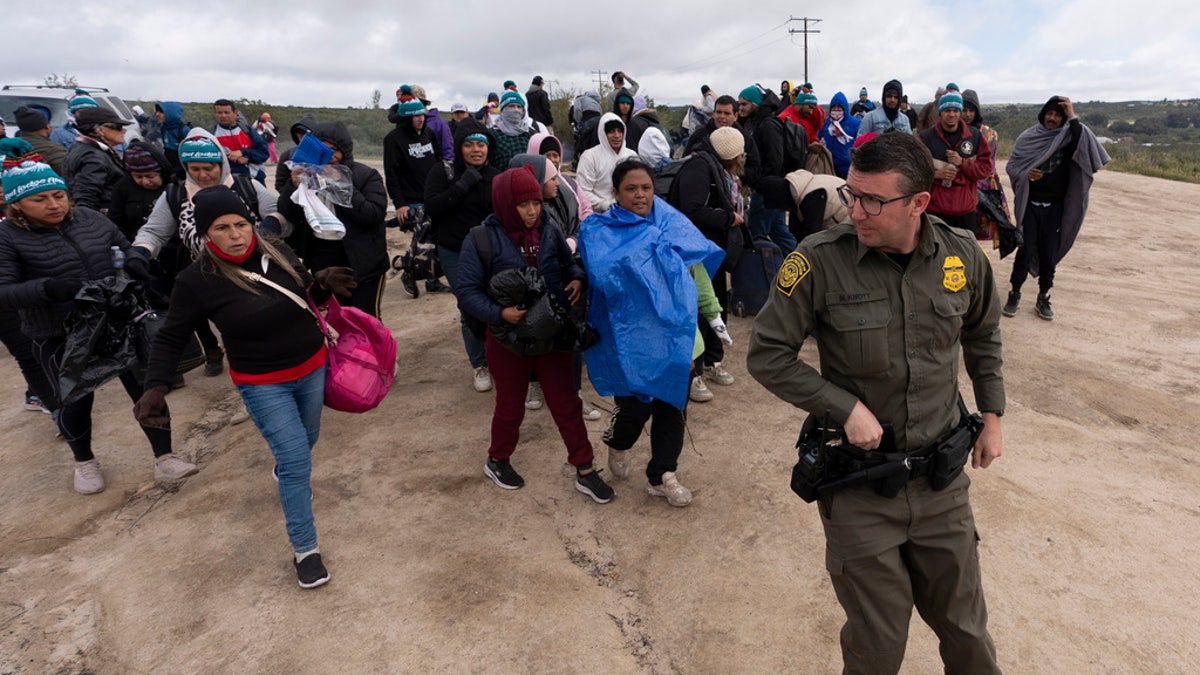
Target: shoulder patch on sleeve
(794, 268)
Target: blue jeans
(475, 352)
(289, 417)
(762, 221)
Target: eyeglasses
(873, 206)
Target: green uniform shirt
(887, 336)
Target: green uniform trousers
(886, 555)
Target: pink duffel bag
(362, 357)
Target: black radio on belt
(826, 457)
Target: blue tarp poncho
(643, 300)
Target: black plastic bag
(538, 330)
(104, 336)
(991, 202)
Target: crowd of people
(625, 266)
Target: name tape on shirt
(794, 268)
(954, 277)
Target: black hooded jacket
(767, 135)
(131, 204)
(460, 201)
(365, 243)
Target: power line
(724, 56)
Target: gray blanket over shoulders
(1032, 148)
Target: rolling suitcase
(753, 276)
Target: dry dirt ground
(1088, 521)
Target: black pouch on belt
(950, 456)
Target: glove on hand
(470, 177)
(340, 280)
(61, 290)
(138, 268)
(718, 327)
(149, 409)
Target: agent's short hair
(627, 166)
(899, 152)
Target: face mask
(513, 114)
(836, 115)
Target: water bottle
(118, 261)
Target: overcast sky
(337, 53)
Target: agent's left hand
(989, 445)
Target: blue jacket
(643, 300)
(65, 135)
(556, 264)
(174, 129)
(850, 125)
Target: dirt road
(1089, 520)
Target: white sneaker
(88, 479)
(717, 373)
(590, 412)
(483, 379)
(169, 467)
(699, 391)
(618, 463)
(676, 494)
(533, 397)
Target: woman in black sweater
(276, 351)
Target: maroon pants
(555, 372)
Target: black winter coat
(408, 155)
(456, 204)
(699, 141)
(79, 249)
(91, 174)
(365, 241)
(766, 133)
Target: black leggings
(1041, 227)
(21, 347)
(666, 432)
(75, 419)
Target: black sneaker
(409, 285)
(310, 572)
(592, 485)
(503, 474)
(436, 286)
(1043, 307)
(1014, 301)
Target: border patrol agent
(892, 297)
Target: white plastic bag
(319, 216)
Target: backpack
(585, 102)
(795, 146)
(664, 180)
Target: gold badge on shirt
(794, 268)
(954, 277)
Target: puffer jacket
(79, 249)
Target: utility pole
(805, 31)
(600, 77)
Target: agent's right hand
(862, 428)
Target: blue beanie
(806, 98)
(863, 92)
(200, 149)
(411, 108)
(952, 87)
(753, 94)
(950, 99)
(511, 97)
(30, 178)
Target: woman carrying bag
(519, 235)
(276, 350)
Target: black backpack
(795, 146)
(664, 180)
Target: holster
(950, 454)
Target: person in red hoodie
(807, 112)
(961, 158)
